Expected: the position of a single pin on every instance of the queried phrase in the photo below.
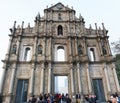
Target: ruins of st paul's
(31, 62)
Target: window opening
(59, 16)
(60, 54)
(60, 30)
(39, 49)
(27, 55)
(14, 48)
(92, 54)
(80, 50)
(104, 50)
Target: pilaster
(72, 82)
(84, 46)
(88, 79)
(2, 80)
(79, 80)
(100, 46)
(49, 78)
(42, 78)
(76, 48)
(116, 79)
(107, 80)
(35, 47)
(108, 47)
(12, 79)
(44, 48)
(70, 47)
(8, 49)
(31, 90)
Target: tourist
(67, 99)
(78, 98)
(32, 99)
(86, 98)
(0, 98)
(118, 98)
(113, 98)
(40, 99)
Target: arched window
(27, 55)
(92, 54)
(60, 53)
(59, 16)
(60, 30)
(14, 48)
(80, 50)
(104, 50)
(39, 49)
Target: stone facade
(32, 56)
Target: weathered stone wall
(41, 69)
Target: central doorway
(61, 84)
(98, 89)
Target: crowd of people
(50, 98)
(90, 98)
(61, 98)
(114, 98)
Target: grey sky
(93, 11)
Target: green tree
(117, 64)
(116, 46)
(116, 50)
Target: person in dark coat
(93, 98)
(118, 97)
(78, 97)
(68, 100)
(0, 98)
(32, 99)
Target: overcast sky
(93, 11)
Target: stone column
(108, 47)
(50, 49)
(70, 52)
(49, 78)
(72, 82)
(18, 46)
(31, 80)
(100, 48)
(9, 46)
(116, 80)
(88, 78)
(12, 79)
(2, 80)
(79, 81)
(84, 46)
(11, 83)
(44, 48)
(42, 78)
(10, 40)
(8, 49)
(51, 27)
(76, 47)
(35, 46)
(107, 80)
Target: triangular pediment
(58, 6)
